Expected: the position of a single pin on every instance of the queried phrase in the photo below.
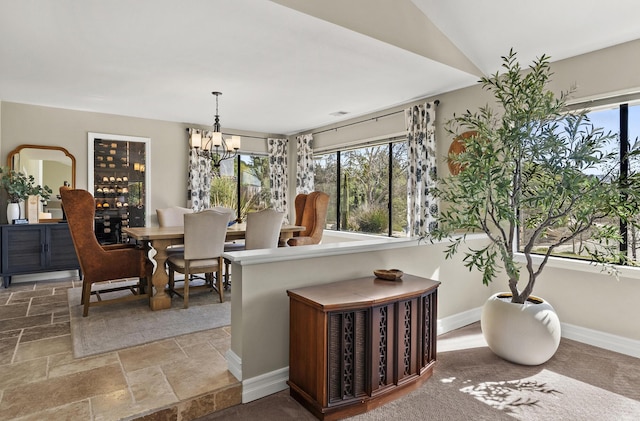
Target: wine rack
(119, 188)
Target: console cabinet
(356, 344)
(33, 248)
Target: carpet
(123, 325)
(469, 382)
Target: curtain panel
(422, 207)
(304, 168)
(199, 178)
(278, 176)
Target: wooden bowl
(388, 274)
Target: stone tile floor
(179, 379)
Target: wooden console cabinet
(32, 248)
(356, 344)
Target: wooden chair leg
(172, 275)
(226, 274)
(86, 298)
(82, 294)
(219, 280)
(186, 285)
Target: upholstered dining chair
(223, 209)
(262, 232)
(103, 263)
(263, 229)
(311, 212)
(172, 217)
(204, 236)
(229, 245)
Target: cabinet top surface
(363, 291)
(39, 224)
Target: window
(367, 187)
(623, 119)
(251, 194)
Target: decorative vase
(527, 334)
(13, 212)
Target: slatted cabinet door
(23, 248)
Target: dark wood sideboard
(32, 248)
(357, 344)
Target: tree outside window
(367, 188)
(253, 193)
(623, 119)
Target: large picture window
(367, 187)
(251, 194)
(623, 119)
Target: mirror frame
(17, 150)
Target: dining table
(160, 238)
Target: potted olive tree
(533, 177)
(19, 187)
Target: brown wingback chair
(311, 212)
(102, 263)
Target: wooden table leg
(160, 300)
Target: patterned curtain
(278, 178)
(304, 167)
(422, 207)
(199, 180)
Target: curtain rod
(437, 102)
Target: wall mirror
(49, 165)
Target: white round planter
(527, 334)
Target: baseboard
(45, 276)
(600, 339)
(234, 364)
(265, 384)
(459, 320)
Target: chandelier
(212, 145)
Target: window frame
(388, 141)
(237, 174)
(585, 264)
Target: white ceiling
(281, 71)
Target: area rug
(123, 325)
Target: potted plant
(536, 173)
(19, 187)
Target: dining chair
(172, 217)
(229, 245)
(204, 236)
(311, 212)
(263, 229)
(100, 263)
(224, 209)
(262, 232)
